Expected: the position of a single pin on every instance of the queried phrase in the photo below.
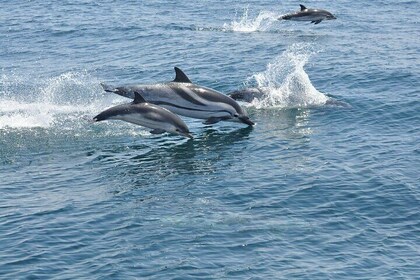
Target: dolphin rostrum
(312, 15)
(184, 98)
(148, 115)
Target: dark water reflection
(165, 160)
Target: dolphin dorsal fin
(138, 98)
(180, 76)
(302, 8)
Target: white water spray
(55, 101)
(245, 23)
(285, 82)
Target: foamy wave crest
(262, 22)
(285, 83)
(55, 101)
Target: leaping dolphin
(184, 98)
(148, 115)
(313, 15)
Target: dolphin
(313, 15)
(184, 98)
(148, 115)
(250, 94)
(246, 94)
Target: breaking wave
(285, 83)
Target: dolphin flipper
(157, 131)
(317, 21)
(212, 120)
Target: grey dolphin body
(246, 94)
(312, 15)
(184, 98)
(148, 115)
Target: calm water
(325, 186)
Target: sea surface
(325, 186)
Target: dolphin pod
(313, 15)
(148, 115)
(184, 98)
(157, 106)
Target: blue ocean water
(325, 186)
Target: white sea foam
(245, 23)
(57, 100)
(18, 114)
(285, 82)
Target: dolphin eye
(236, 115)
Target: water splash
(262, 22)
(55, 101)
(16, 114)
(285, 83)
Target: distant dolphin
(184, 98)
(312, 15)
(148, 115)
(246, 94)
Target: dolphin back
(112, 112)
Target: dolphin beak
(246, 120)
(187, 134)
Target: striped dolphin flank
(187, 94)
(184, 98)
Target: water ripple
(325, 186)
